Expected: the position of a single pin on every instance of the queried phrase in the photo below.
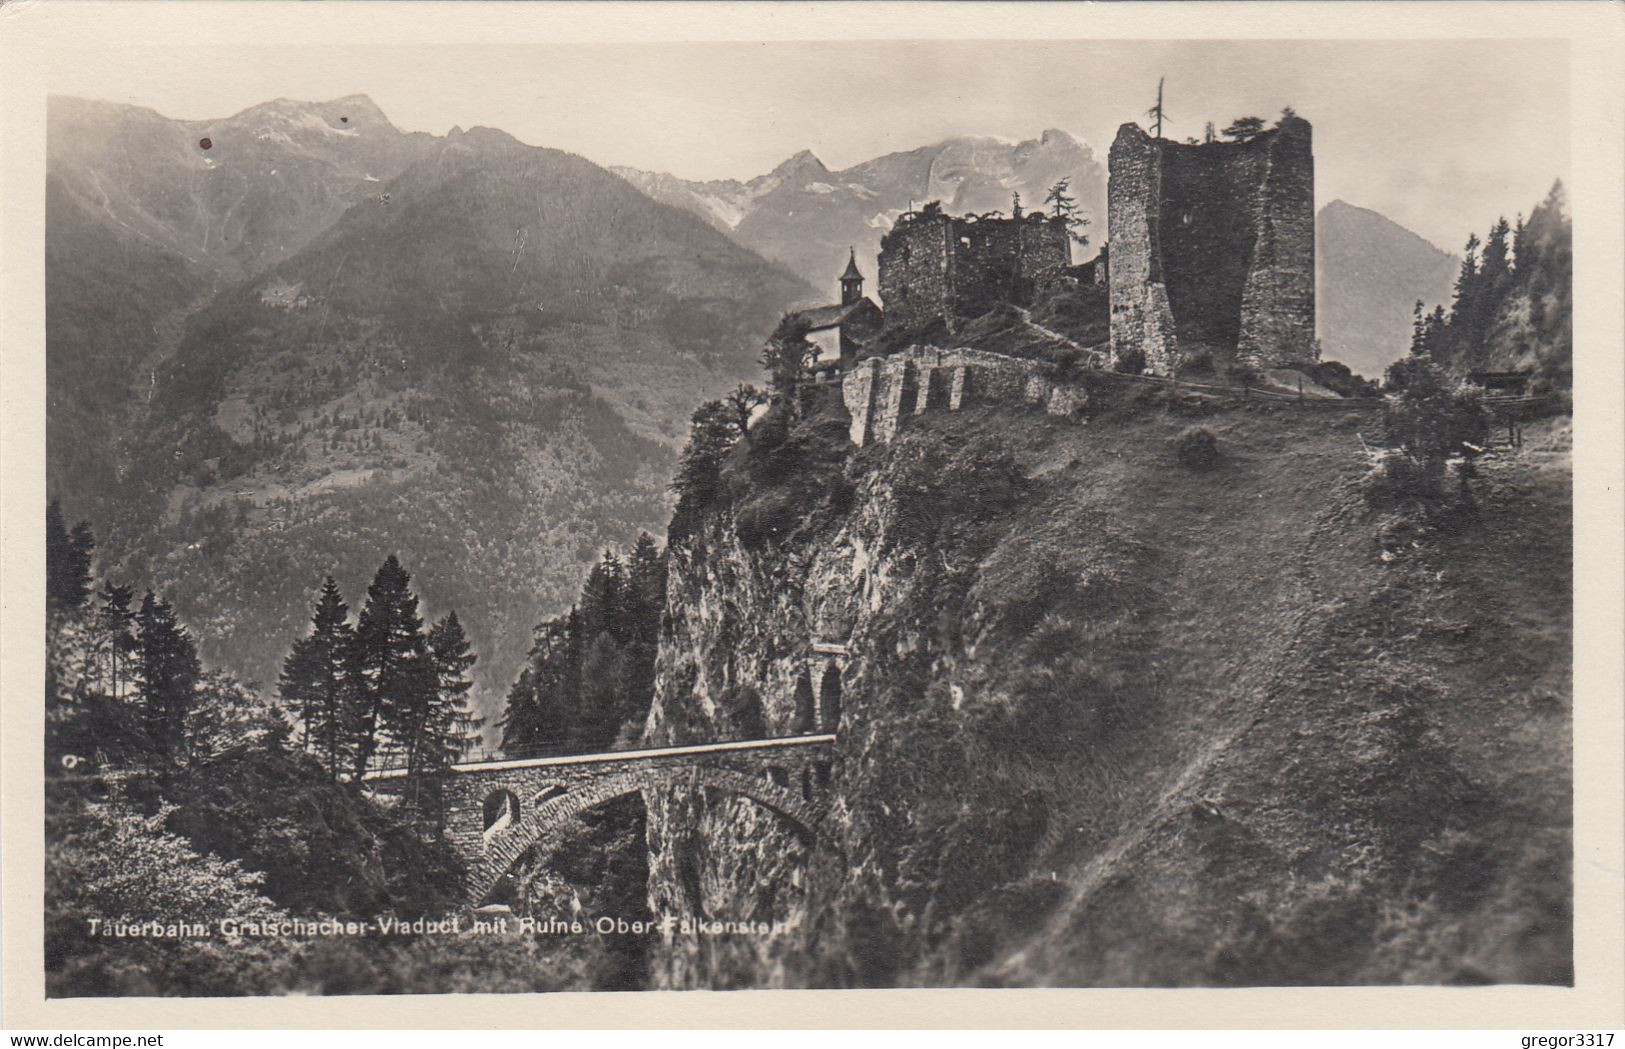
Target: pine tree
(1062, 201)
(298, 686)
(455, 726)
(1435, 339)
(698, 482)
(393, 666)
(1497, 264)
(117, 625)
(786, 358)
(1244, 128)
(318, 682)
(1466, 281)
(67, 561)
(451, 729)
(1066, 210)
(607, 631)
(646, 596)
(601, 699)
(168, 673)
(541, 705)
(646, 588)
(603, 598)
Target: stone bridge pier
(495, 810)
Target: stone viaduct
(495, 810)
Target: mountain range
(292, 341)
(806, 217)
(1369, 274)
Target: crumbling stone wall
(1142, 320)
(1278, 302)
(914, 280)
(1213, 248)
(937, 267)
(883, 393)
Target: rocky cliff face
(1107, 720)
(743, 621)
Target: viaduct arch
(495, 810)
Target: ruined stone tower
(934, 266)
(1213, 248)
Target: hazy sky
(1441, 136)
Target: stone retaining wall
(882, 393)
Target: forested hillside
(1513, 303)
(473, 352)
(202, 837)
(148, 217)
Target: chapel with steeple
(842, 330)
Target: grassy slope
(1297, 762)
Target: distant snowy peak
(722, 202)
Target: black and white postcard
(719, 498)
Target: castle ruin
(935, 266)
(1212, 255)
(1213, 248)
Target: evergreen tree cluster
(383, 689)
(121, 681)
(1513, 301)
(67, 561)
(174, 793)
(588, 680)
